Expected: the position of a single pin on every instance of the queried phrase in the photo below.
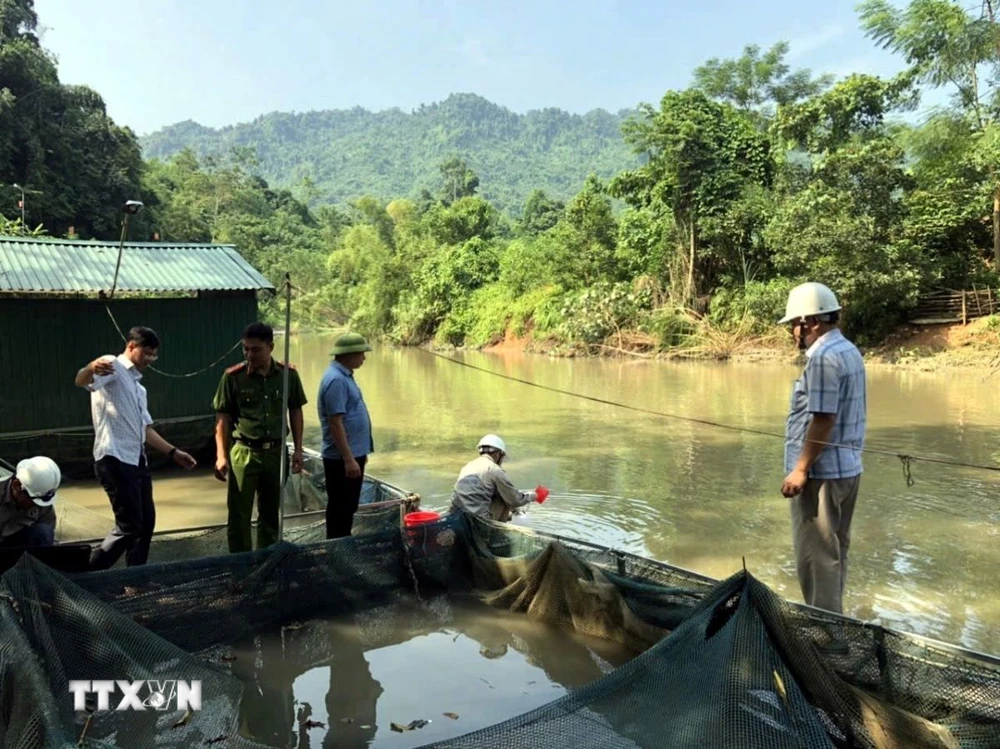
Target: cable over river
(923, 557)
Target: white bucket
(520, 518)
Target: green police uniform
(253, 402)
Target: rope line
(168, 374)
(905, 459)
(197, 372)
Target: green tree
(540, 213)
(458, 181)
(700, 156)
(949, 199)
(757, 81)
(845, 229)
(374, 276)
(57, 140)
(463, 220)
(370, 210)
(856, 107)
(946, 44)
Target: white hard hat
(809, 300)
(491, 440)
(39, 477)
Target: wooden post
(965, 314)
(283, 470)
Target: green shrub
(590, 316)
(762, 302)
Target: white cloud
(806, 43)
(860, 64)
(473, 49)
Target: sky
(220, 62)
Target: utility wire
(197, 371)
(905, 459)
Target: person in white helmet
(824, 438)
(27, 517)
(483, 487)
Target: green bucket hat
(350, 343)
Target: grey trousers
(821, 531)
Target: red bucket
(418, 532)
(423, 517)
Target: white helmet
(39, 477)
(491, 440)
(809, 300)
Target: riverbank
(927, 348)
(975, 346)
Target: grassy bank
(923, 348)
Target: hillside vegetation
(679, 229)
(346, 154)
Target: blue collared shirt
(339, 394)
(833, 383)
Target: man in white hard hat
(483, 487)
(27, 517)
(824, 437)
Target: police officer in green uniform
(248, 410)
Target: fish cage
(717, 663)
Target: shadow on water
(455, 663)
(922, 557)
(707, 498)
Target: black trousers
(39, 534)
(130, 489)
(342, 496)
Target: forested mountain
(463, 222)
(59, 151)
(345, 154)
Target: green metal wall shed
(55, 317)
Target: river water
(924, 558)
(452, 663)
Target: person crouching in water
(484, 489)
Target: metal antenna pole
(284, 407)
(24, 205)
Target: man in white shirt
(122, 428)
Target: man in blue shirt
(824, 437)
(347, 433)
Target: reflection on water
(408, 663)
(923, 557)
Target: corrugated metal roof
(54, 265)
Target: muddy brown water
(445, 667)
(923, 557)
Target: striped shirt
(833, 383)
(120, 412)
